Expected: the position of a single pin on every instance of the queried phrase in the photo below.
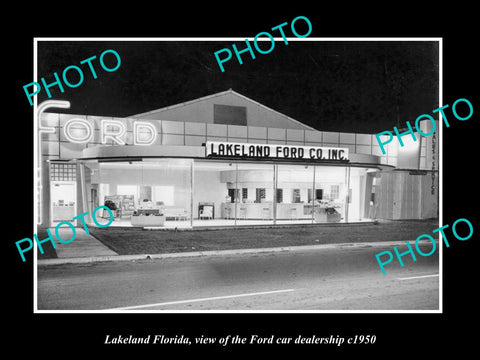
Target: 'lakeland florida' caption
(239, 340)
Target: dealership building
(227, 160)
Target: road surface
(338, 278)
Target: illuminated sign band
(81, 131)
(273, 151)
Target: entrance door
(63, 191)
(63, 200)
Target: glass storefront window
(237, 193)
(359, 198)
(258, 207)
(146, 193)
(213, 193)
(180, 193)
(329, 194)
(296, 185)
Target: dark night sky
(353, 86)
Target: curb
(95, 259)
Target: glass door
(63, 200)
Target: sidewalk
(83, 246)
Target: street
(343, 277)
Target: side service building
(227, 160)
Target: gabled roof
(151, 114)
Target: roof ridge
(182, 103)
(231, 91)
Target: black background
(359, 86)
(65, 335)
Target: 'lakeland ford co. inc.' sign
(273, 151)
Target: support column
(347, 197)
(275, 186)
(44, 206)
(192, 183)
(83, 205)
(313, 194)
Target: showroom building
(227, 160)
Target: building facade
(227, 160)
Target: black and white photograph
(266, 184)
(222, 180)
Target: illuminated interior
(185, 193)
